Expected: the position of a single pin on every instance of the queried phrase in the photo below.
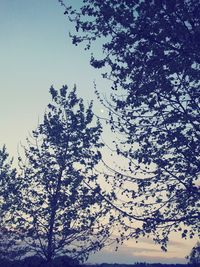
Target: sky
(35, 53)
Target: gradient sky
(35, 53)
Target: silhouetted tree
(61, 210)
(194, 257)
(151, 49)
(9, 248)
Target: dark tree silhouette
(151, 53)
(194, 257)
(9, 248)
(61, 210)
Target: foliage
(8, 195)
(194, 257)
(7, 180)
(152, 51)
(34, 261)
(61, 207)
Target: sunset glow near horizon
(36, 52)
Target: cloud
(145, 250)
(134, 252)
(171, 242)
(130, 256)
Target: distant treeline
(141, 264)
(65, 262)
(34, 261)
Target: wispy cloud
(129, 255)
(171, 242)
(145, 250)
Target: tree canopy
(9, 248)
(151, 53)
(194, 257)
(61, 209)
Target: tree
(61, 210)
(194, 257)
(151, 53)
(9, 248)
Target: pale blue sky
(36, 52)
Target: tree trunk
(52, 220)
